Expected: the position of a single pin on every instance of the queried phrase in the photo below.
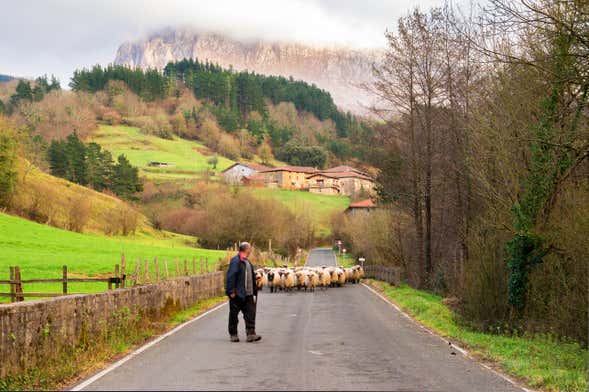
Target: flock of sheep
(306, 278)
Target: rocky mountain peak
(341, 71)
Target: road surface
(339, 339)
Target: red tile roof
(368, 203)
(341, 169)
(257, 166)
(296, 169)
(349, 174)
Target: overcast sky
(57, 36)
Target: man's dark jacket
(235, 282)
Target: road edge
(92, 379)
(460, 349)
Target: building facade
(235, 173)
(340, 183)
(288, 177)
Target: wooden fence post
(64, 284)
(123, 270)
(12, 285)
(19, 296)
(207, 264)
(117, 275)
(201, 266)
(177, 266)
(166, 269)
(146, 272)
(194, 266)
(185, 267)
(137, 268)
(157, 270)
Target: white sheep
(289, 280)
(325, 278)
(313, 280)
(261, 279)
(273, 278)
(302, 279)
(341, 277)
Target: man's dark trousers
(247, 306)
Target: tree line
(148, 84)
(244, 92)
(30, 92)
(90, 165)
(484, 145)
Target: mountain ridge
(330, 68)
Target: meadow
(42, 250)
(186, 158)
(319, 207)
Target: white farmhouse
(234, 174)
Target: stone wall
(32, 332)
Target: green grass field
(320, 207)
(542, 361)
(40, 251)
(187, 157)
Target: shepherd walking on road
(242, 292)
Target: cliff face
(337, 70)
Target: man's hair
(244, 246)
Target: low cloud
(58, 36)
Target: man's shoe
(253, 338)
(234, 338)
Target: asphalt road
(338, 339)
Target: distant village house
(361, 207)
(340, 183)
(235, 173)
(288, 177)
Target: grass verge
(131, 331)
(541, 361)
(345, 260)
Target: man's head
(245, 249)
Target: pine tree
(8, 147)
(125, 179)
(77, 170)
(23, 92)
(100, 167)
(57, 157)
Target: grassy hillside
(320, 207)
(41, 250)
(189, 158)
(51, 200)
